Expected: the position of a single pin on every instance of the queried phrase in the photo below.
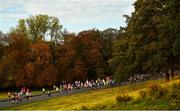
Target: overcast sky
(75, 15)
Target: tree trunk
(167, 76)
(172, 71)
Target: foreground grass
(104, 99)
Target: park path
(7, 103)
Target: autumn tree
(15, 56)
(37, 70)
(28, 58)
(79, 56)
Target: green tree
(40, 27)
(152, 37)
(106, 38)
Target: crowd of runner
(142, 77)
(68, 87)
(16, 97)
(63, 87)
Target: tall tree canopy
(151, 39)
(41, 27)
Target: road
(8, 103)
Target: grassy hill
(154, 94)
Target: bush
(123, 98)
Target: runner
(27, 95)
(61, 89)
(13, 98)
(30, 95)
(19, 97)
(16, 98)
(43, 90)
(57, 89)
(54, 87)
(49, 94)
(9, 95)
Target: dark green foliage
(106, 39)
(150, 42)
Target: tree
(15, 56)
(151, 36)
(170, 34)
(90, 46)
(40, 27)
(106, 39)
(119, 62)
(79, 56)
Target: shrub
(123, 98)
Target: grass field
(107, 99)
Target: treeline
(150, 42)
(37, 52)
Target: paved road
(7, 103)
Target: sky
(74, 15)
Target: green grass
(103, 99)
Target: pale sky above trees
(75, 15)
